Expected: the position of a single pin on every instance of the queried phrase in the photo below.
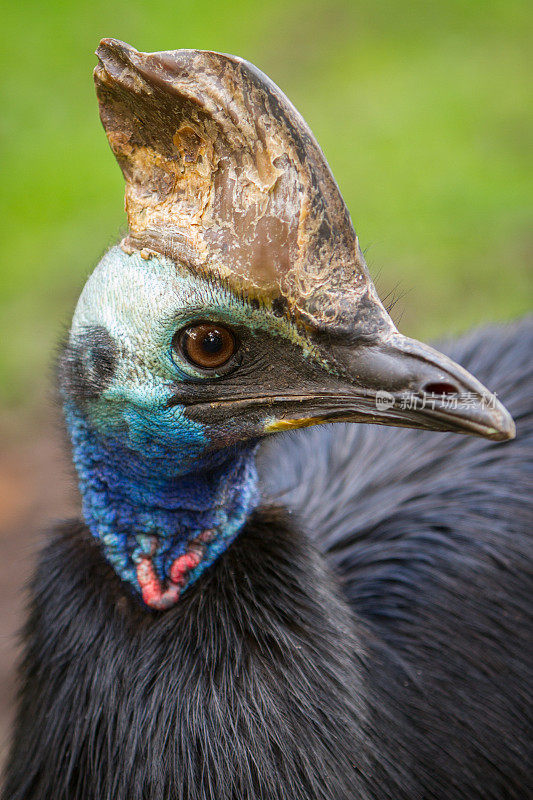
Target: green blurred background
(422, 108)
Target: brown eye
(207, 345)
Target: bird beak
(399, 381)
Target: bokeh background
(422, 108)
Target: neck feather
(160, 527)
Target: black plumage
(368, 634)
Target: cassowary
(338, 613)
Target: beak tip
(506, 431)
(504, 427)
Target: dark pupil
(212, 343)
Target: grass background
(422, 108)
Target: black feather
(390, 659)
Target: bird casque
(215, 654)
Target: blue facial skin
(147, 473)
(151, 480)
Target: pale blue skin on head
(145, 469)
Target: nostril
(440, 387)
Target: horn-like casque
(223, 175)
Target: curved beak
(400, 381)
(415, 385)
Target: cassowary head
(239, 303)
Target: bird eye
(207, 344)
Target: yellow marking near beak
(291, 424)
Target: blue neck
(158, 529)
